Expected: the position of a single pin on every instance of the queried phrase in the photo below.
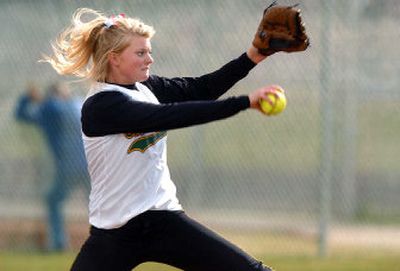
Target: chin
(144, 78)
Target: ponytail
(83, 48)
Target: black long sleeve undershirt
(184, 102)
(206, 87)
(113, 112)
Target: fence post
(327, 138)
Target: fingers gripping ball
(277, 105)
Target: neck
(128, 86)
(118, 80)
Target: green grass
(373, 262)
(336, 263)
(283, 252)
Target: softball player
(134, 212)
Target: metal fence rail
(336, 146)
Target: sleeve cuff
(244, 102)
(246, 62)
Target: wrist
(254, 55)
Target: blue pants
(60, 189)
(166, 237)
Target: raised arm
(206, 87)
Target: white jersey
(129, 172)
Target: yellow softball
(278, 103)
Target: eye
(143, 53)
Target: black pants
(166, 237)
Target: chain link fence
(331, 159)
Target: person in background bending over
(58, 117)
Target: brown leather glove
(281, 29)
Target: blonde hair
(83, 48)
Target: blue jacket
(59, 120)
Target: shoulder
(104, 99)
(153, 82)
(103, 93)
(156, 83)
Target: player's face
(133, 64)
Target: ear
(113, 59)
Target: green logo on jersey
(144, 142)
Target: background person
(58, 117)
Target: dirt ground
(29, 233)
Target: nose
(149, 59)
